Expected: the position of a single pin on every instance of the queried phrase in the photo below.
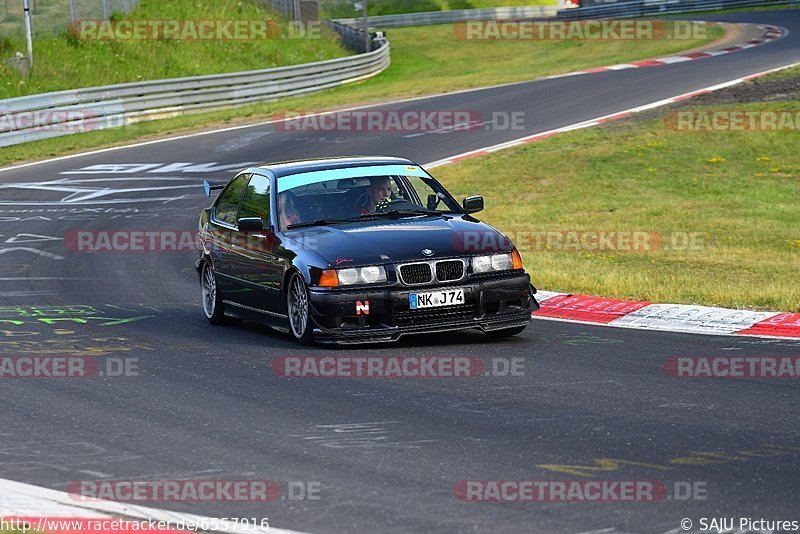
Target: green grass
(785, 73)
(425, 60)
(779, 5)
(344, 8)
(739, 191)
(61, 62)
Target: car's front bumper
(383, 314)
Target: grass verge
(734, 194)
(793, 72)
(343, 9)
(67, 62)
(777, 6)
(425, 60)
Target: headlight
(348, 276)
(494, 262)
(481, 264)
(373, 274)
(501, 262)
(362, 275)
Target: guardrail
(456, 15)
(644, 8)
(353, 38)
(41, 116)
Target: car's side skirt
(257, 310)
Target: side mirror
(473, 204)
(250, 224)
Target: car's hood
(400, 240)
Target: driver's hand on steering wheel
(383, 205)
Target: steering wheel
(396, 204)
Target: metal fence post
(366, 25)
(26, 6)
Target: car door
(255, 265)
(222, 232)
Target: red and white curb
(770, 33)
(33, 503)
(667, 317)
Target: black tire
(213, 308)
(299, 310)
(506, 332)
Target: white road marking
(25, 500)
(90, 191)
(32, 251)
(32, 238)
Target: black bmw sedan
(356, 250)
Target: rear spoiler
(208, 187)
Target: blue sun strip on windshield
(296, 180)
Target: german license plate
(435, 299)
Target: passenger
(378, 195)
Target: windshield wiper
(319, 222)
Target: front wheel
(506, 332)
(213, 308)
(299, 310)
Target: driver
(378, 194)
(286, 209)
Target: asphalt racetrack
(387, 455)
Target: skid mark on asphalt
(85, 213)
(62, 456)
(581, 339)
(35, 344)
(238, 143)
(358, 436)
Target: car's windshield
(327, 196)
